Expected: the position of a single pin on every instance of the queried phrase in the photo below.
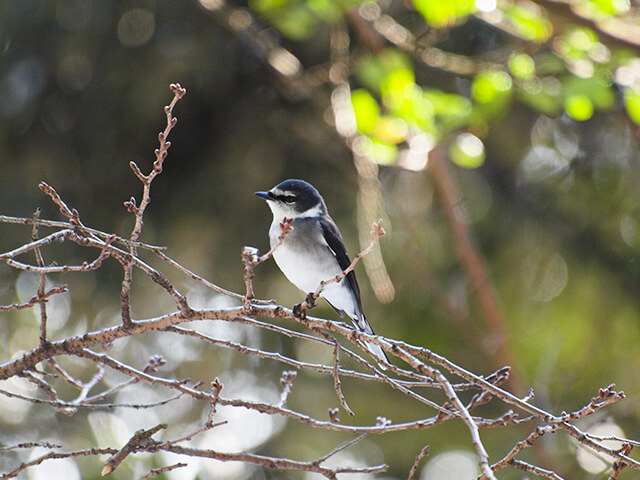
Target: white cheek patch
(280, 211)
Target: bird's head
(294, 199)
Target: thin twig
(57, 455)
(41, 283)
(140, 440)
(340, 448)
(43, 270)
(250, 259)
(337, 385)
(36, 299)
(68, 225)
(157, 471)
(376, 233)
(24, 445)
(286, 227)
(414, 468)
(138, 211)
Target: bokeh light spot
(597, 462)
(467, 151)
(136, 27)
(58, 306)
(74, 73)
(522, 65)
(452, 465)
(544, 275)
(22, 85)
(212, 4)
(60, 469)
(542, 164)
(579, 107)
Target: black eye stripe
(286, 198)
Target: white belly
(307, 267)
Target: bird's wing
(334, 239)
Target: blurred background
(534, 107)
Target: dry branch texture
(417, 374)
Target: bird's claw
(300, 311)
(310, 300)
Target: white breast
(306, 260)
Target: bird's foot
(300, 310)
(311, 300)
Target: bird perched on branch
(314, 252)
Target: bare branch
(423, 372)
(337, 385)
(37, 299)
(56, 455)
(138, 211)
(272, 462)
(414, 468)
(158, 471)
(141, 440)
(29, 445)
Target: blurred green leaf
(529, 23)
(451, 110)
(325, 9)
(598, 90)
(397, 86)
(606, 8)
(295, 20)
(491, 86)
(382, 152)
(423, 111)
(622, 56)
(391, 130)
(298, 24)
(366, 109)
(377, 150)
(405, 99)
(543, 95)
(467, 151)
(373, 69)
(267, 6)
(579, 107)
(632, 103)
(440, 13)
(548, 63)
(522, 65)
(576, 43)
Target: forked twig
(138, 211)
(36, 299)
(250, 259)
(141, 440)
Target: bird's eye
(289, 199)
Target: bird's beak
(264, 195)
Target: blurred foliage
(538, 106)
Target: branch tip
(178, 90)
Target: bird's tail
(363, 325)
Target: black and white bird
(314, 251)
